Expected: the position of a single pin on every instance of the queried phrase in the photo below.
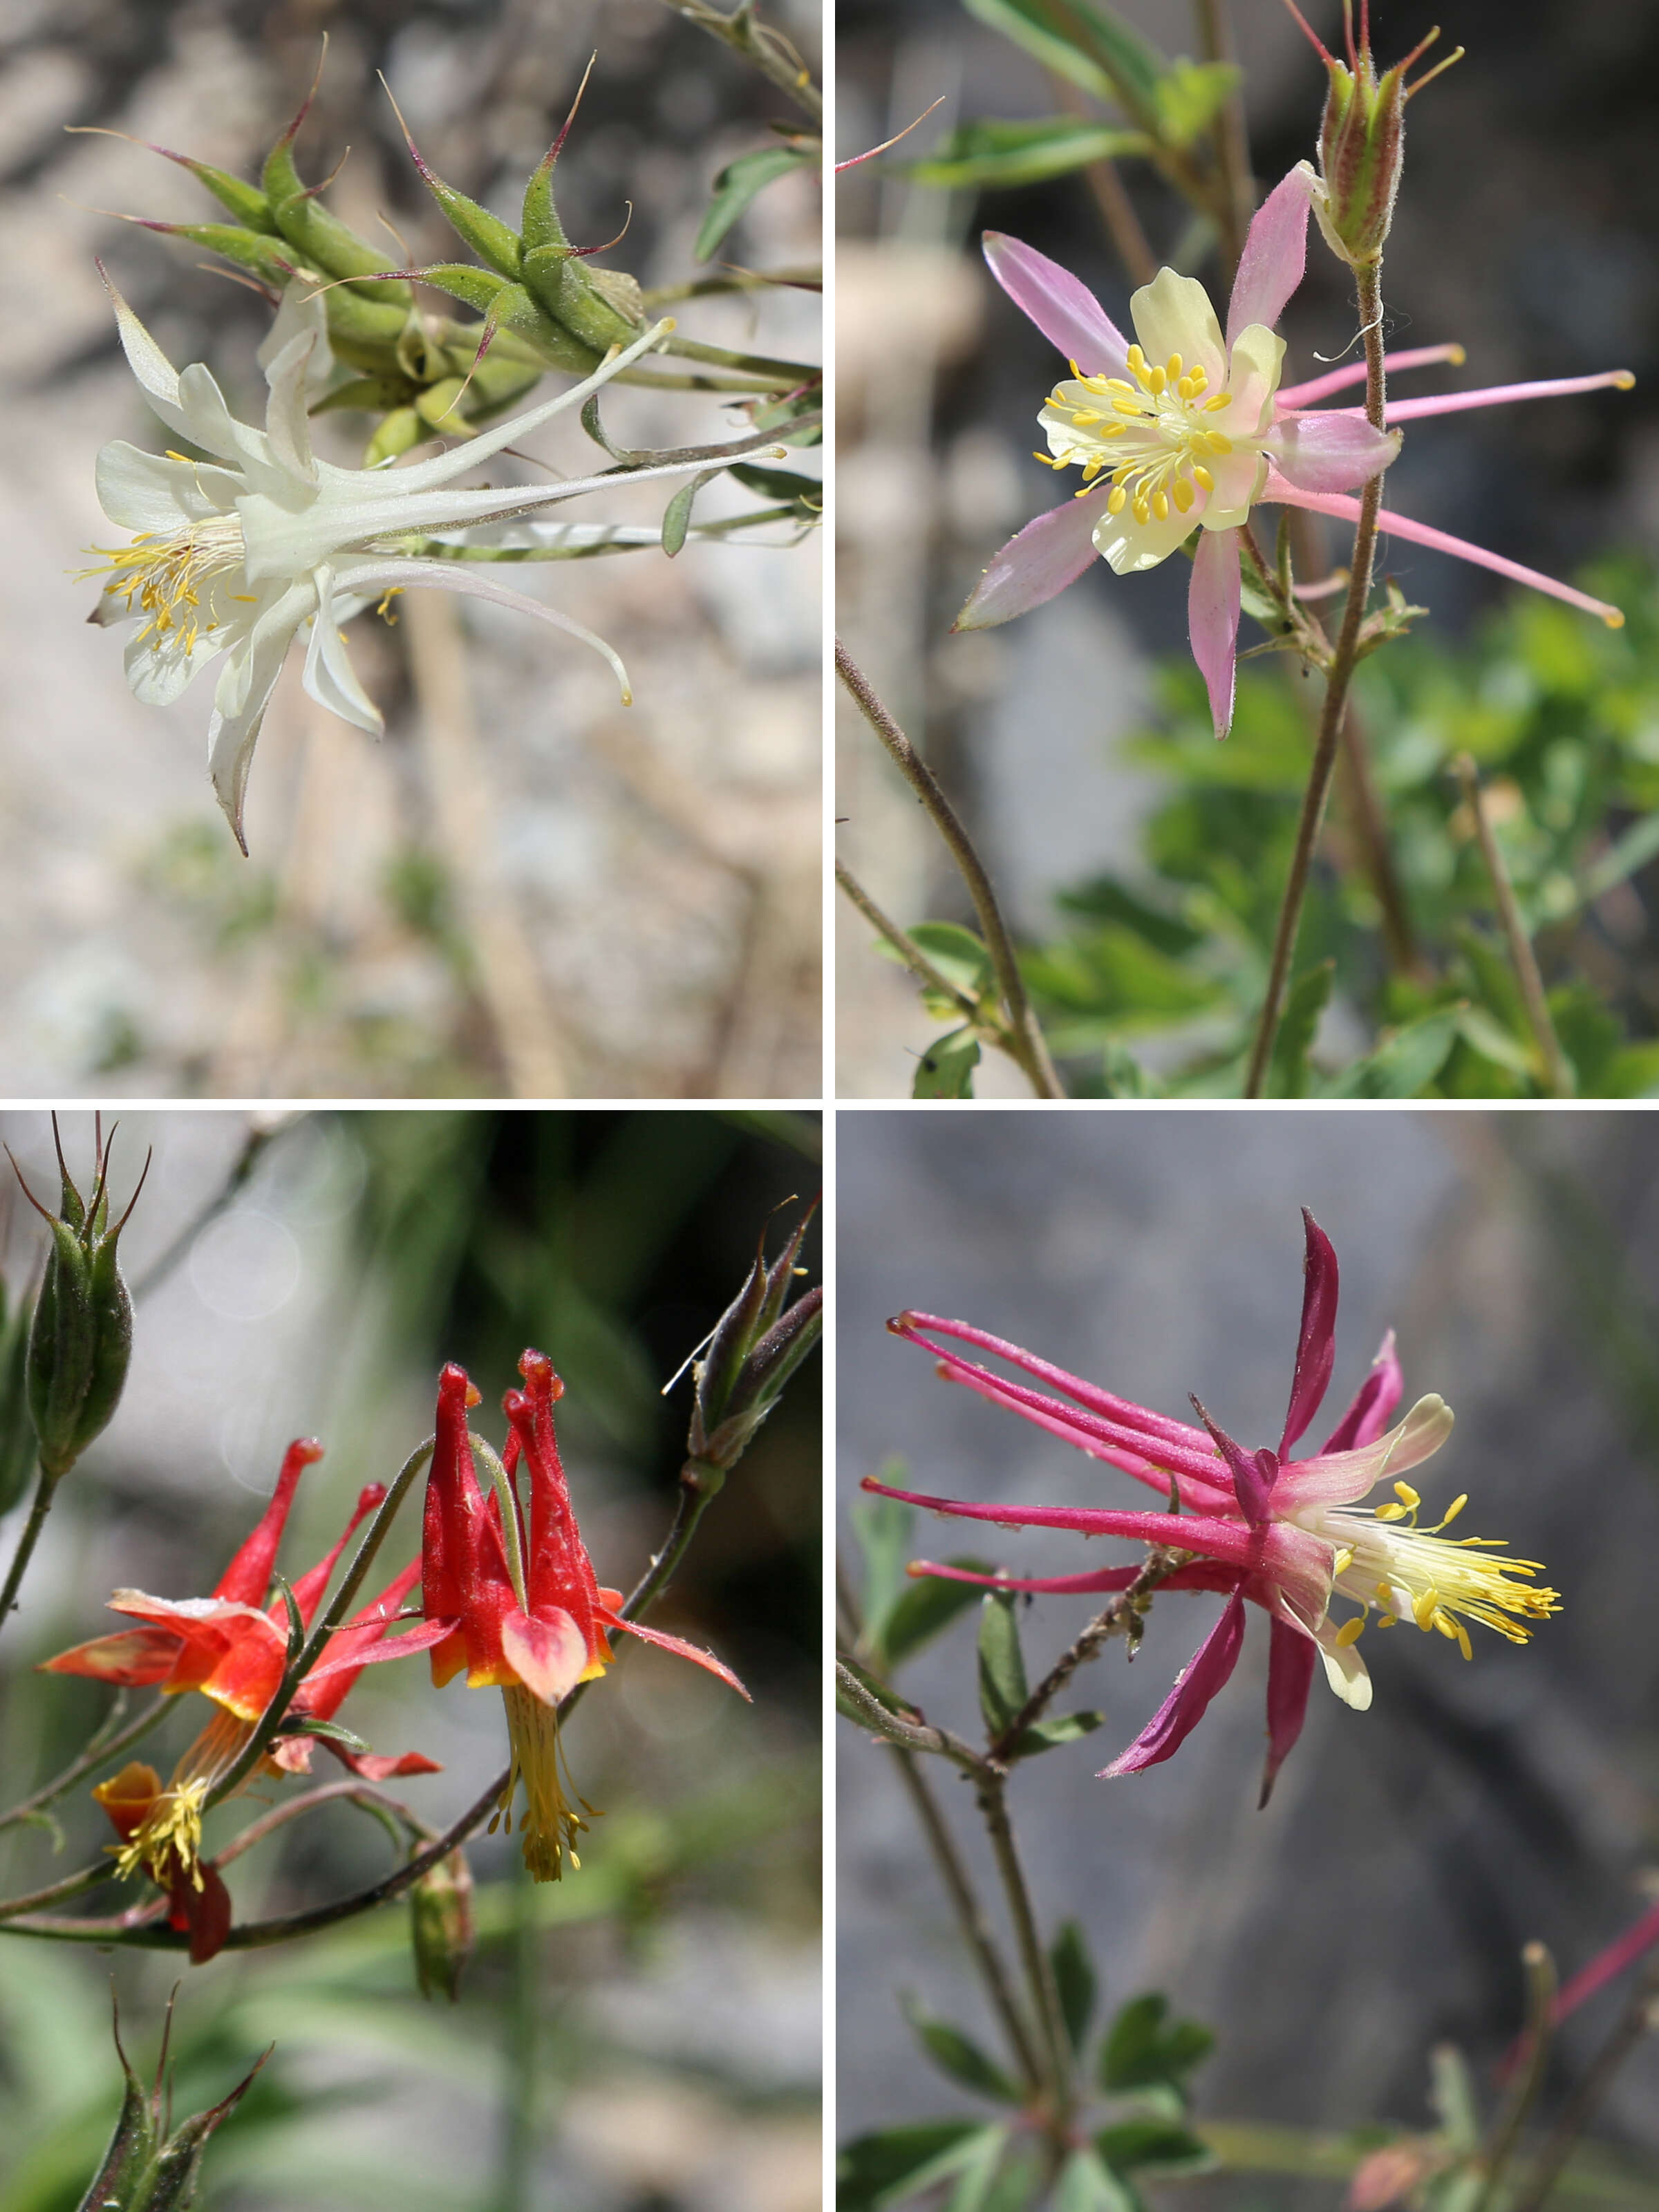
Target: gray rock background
(1380, 1903)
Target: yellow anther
(1199, 375)
(1075, 370)
(1349, 1632)
(1126, 406)
(1110, 430)
(1161, 505)
(1117, 384)
(1613, 619)
(1202, 478)
(1136, 359)
(1117, 500)
(1343, 1561)
(1183, 493)
(1623, 380)
(1085, 415)
(1221, 399)
(1390, 1512)
(1408, 1496)
(1455, 1507)
(1091, 470)
(1142, 512)
(1387, 1620)
(1217, 443)
(1455, 356)
(1156, 379)
(1427, 1609)
(1172, 368)
(1048, 460)
(1186, 388)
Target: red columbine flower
(519, 1608)
(1288, 1534)
(232, 1649)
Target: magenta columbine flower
(1291, 1534)
(1186, 430)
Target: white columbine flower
(240, 555)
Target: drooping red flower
(1289, 1534)
(518, 1601)
(232, 1647)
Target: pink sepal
(1212, 598)
(1036, 563)
(1185, 1706)
(1061, 306)
(1291, 1657)
(1275, 255)
(1316, 1344)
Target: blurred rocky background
(644, 2033)
(1524, 229)
(525, 889)
(1380, 1905)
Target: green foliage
(1002, 1690)
(738, 182)
(998, 155)
(958, 2056)
(945, 1070)
(1560, 715)
(1074, 1980)
(1144, 2050)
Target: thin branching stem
(1115, 1618)
(1639, 2020)
(104, 1745)
(1026, 1042)
(1558, 1075)
(991, 1784)
(1539, 1969)
(40, 1506)
(904, 945)
(1339, 677)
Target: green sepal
(398, 432)
(441, 1927)
(490, 239)
(559, 281)
(322, 237)
(131, 2147)
(245, 202)
(17, 1445)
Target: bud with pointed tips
(440, 1912)
(757, 1343)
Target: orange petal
(548, 1652)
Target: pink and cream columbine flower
(1291, 1534)
(1186, 429)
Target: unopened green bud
(146, 2168)
(17, 1449)
(81, 1337)
(441, 1914)
(1361, 143)
(757, 1343)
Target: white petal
(1239, 477)
(159, 670)
(244, 693)
(1173, 314)
(141, 491)
(330, 677)
(1253, 373)
(287, 429)
(302, 314)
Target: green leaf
(1139, 2051)
(928, 1606)
(945, 1070)
(999, 154)
(884, 1527)
(1132, 2145)
(1065, 1728)
(884, 2168)
(1086, 2185)
(1633, 1073)
(955, 2054)
(329, 1731)
(1087, 44)
(1123, 1075)
(781, 484)
(1304, 1003)
(1406, 1063)
(738, 183)
(981, 2187)
(1074, 1980)
(960, 956)
(677, 515)
(1453, 2096)
(1002, 1691)
(1188, 97)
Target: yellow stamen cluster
(169, 577)
(1160, 419)
(169, 1843)
(549, 1823)
(1387, 1561)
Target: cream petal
(1256, 364)
(287, 429)
(1128, 546)
(329, 677)
(1173, 314)
(141, 491)
(159, 669)
(1239, 477)
(1345, 1670)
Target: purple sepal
(1291, 1660)
(1315, 1349)
(1183, 1709)
(1253, 1473)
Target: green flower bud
(17, 1452)
(757, 1343)
(146, 2168)
(1361, 141)
(440, 1913)
(80, 1338)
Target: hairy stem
(1113, 1619)
(992, 1787)
(1339, 677)
(1026, 1042)
(40, 1506)
(905, 945)
(103, 1745)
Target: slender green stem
(734, 280)
(1369, 287)
(1539, 1969)
(1557, 1073)
(40, 1507)
(992, 1787)
(1640, 2019)
(868, 1712)
(971, 1916)
(57, 1893)
(782, 375)
(905, 945)
(1026, 1042)
(103, 1745)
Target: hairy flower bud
(441, 1915)
(756, 1345)
(80, 1338)
(16, 1429)
(149, 2166)
(1361, 140)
